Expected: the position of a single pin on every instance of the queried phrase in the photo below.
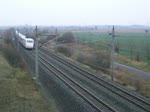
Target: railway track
(127, 95)
(98, 104)
(86, 94)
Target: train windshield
(29, 41)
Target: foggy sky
(74, 12)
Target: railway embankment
(18, 91)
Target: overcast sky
(74, 12)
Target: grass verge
(128, 62)
(133, 82)
(18, 92)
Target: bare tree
(147, 52)
(44, 31)
(8, 36)
(138, 56)
(67, 37)
(146, 31)
(117, 47)
(132, 46)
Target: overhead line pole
(18, 41)
(36, 77)
(112, 53)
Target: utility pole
(36, 77)
(112, 53)
(18, 40)
(56, 33)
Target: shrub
(129, 80)
(12, 56)
(64, 50)
(47, 38)
(7, 37)
(9, 52)
(102, 58)
(67, 37)
(96, 62)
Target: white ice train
(26, 42)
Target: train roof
(16, 31)
(22, 36)
(29, 39)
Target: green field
(132, 45)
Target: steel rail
(116, 87)
(83, 88)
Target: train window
(29, 41)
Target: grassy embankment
(18, 92)
(132, 63)
(131, 81)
